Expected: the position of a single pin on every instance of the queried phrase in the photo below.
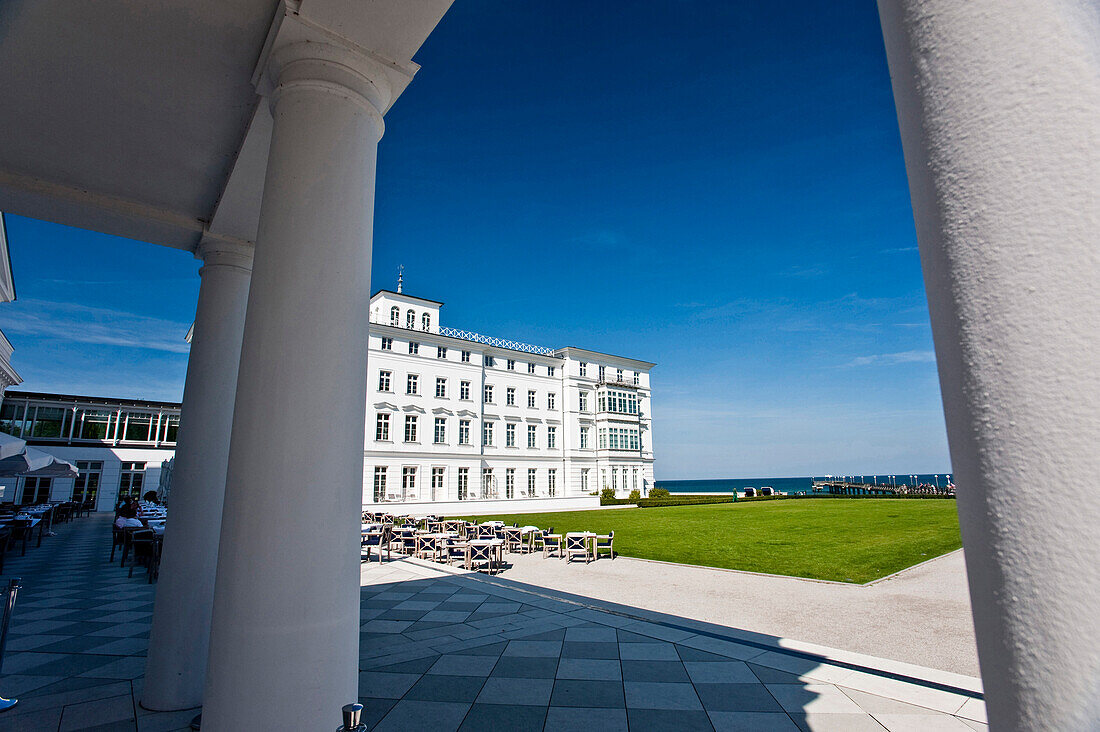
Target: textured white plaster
(999, 109)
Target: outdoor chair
(538, 537)
(379, 539)
(21, 530)
(143, 545)
(604, 543)
(551, 543)
(486, 532)
(480, 553)
(408, 544)
(5, 537)
(117, 540)
(576, 545)
(427, 547)
(454, 549)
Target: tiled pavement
(445, 651)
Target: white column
(999, 107)
(284, 646)
(179, 639)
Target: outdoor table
(496, 551)
(494, 524)
(29, 525)
(530, 532)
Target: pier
(849, 488)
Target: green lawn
(854, 540)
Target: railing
(497, 342)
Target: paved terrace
(446, 650)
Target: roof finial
(400, 277)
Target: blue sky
(716, 187)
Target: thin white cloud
(101, 326)
(897, 250)
(892, 359)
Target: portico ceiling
(131, 117)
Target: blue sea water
(787, 485)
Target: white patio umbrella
(37, 463)
(11, 445)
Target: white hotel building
(454, 416)
(451, 416)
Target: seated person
(127, 518)
(150, 497)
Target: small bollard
(352, 714)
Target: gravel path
(919, 616)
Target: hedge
(683, 501)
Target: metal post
(11, 592)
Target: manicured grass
(854, 540)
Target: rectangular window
(384, 378)
(584, 480)
(583, 368)
(487, 433)
(551, 437)
(510, 483)
(531, 473)
(440, 387)
(441, 352)
(531, 436)
(550, 371)
(488, 393)
(489, 362)
(464, 390)
(615, 478)
(464, 432)
(137, 426)
(488, 484)
(531, 400)
(387, 345)
(379, 484)
(463, 483)
(414, 348)
(510, 396)
(603, 372)
(603, 438)
(412, 384)
(584, 438)
(86, 484)
(530, 368)
(36, 490)
(437, 484)
(440, 430)
(551, 397)
(408, 482)
(410, 427)
(583, 406)
(170, 427)
(11, 419)
(54, 422)
(637, 380)
(509, 435)
(465, 357)
(131, 480)
(511, 365)
(618, 375)
(551, 481)
(382, 427)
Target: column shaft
(999, 108)
(284, 647)
(180, 634)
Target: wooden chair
(379, 539)
(577, 545)
(143, 545)
(551, 543)
(604, 543)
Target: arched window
(395, 316)
(425, 322)
(410, 319)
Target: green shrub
(659, 493)
(635, 495)
(683, 501)
(607, 494)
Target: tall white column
(999, 107)
(284, 646)
(179, 639)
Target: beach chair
(604, 543)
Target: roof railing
(497, 342)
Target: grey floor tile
(409, 714)
(737, 698)
(525, 667)
(589, 649)
(129, 667)
(874, 704)
(577, 719)
(458, 665)
(41, 719)
(772, 676)
(415, 666)
(668, 671)
(661, 695)
(487, 649)
(595, 669)
(595, 634)
(813, 699)
(660, 720)
(648, 652)
(720, 672)
(533, 649)
(385, 626)
(385, 685)
(836, 722)
(503, 690)
(433, 687)
(921, 723)
(500, 717)
(752, 722)
(98, 712)
(574, 693)
(166, 721)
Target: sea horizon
(791, 484)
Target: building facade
(117, 445)
(451, 416)
(455, 416)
